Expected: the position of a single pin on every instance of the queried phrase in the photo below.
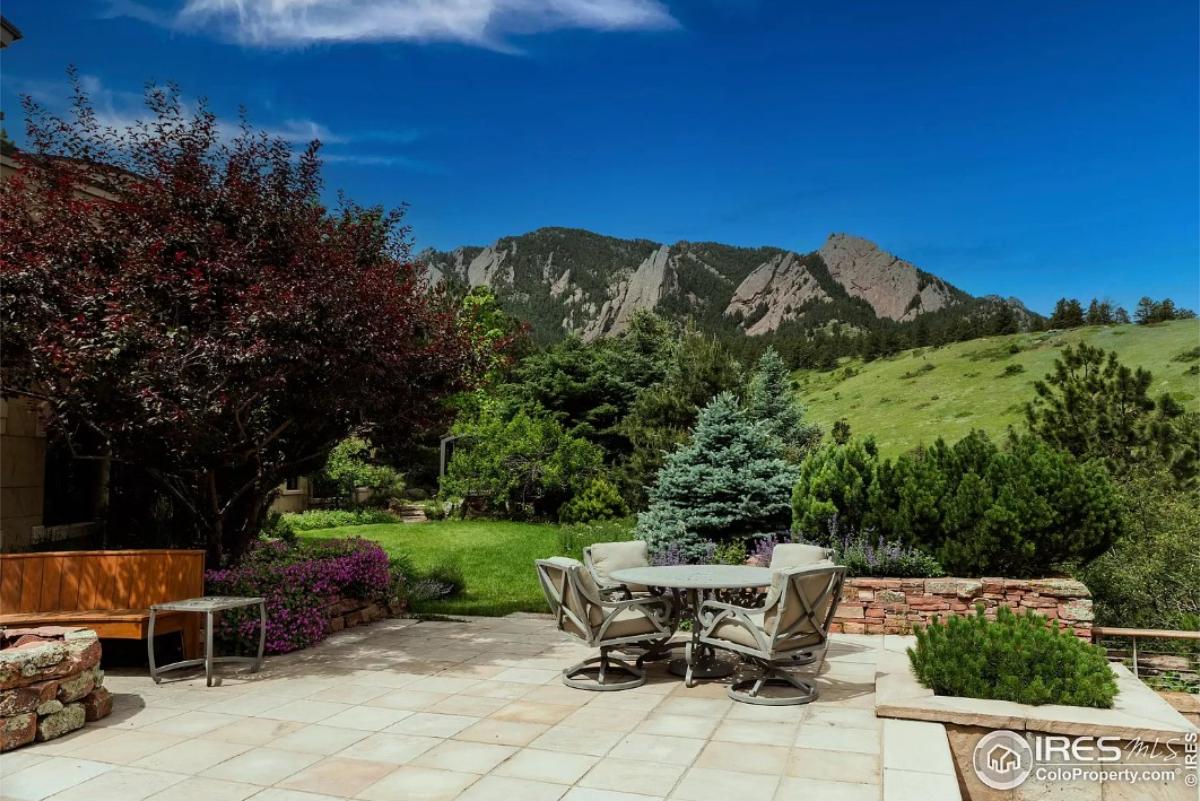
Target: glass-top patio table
(689, 585)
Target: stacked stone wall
(346, 613)
(50, 683)
(894, 605)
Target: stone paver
(471, 709)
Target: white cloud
(273, 23)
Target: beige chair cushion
(628, 623)
(795, 554)
(608, 557)
(737, 633)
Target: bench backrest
(68, 581)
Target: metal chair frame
(656, 609)
(768, 656)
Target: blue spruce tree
(728, 482)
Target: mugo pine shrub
(600, 500)
(979, 509)
(1017, 658)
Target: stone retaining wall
(893, 605)
(346, 613)
(50, 683)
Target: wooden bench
(108, 591)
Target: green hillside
(918, 395)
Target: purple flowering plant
(298, 582)
(674, 555)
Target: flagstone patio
(474, 709)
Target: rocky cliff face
(895, 288)
(774, 293)
(571, 281)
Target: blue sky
(1032, 149)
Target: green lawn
(919, 395)
(496, 558)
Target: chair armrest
(660, 600)
(615, 591)
(712, 614)
(718, 605)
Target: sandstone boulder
(97, 704)
(70, 718)
(17, 730)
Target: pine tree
(1068, 313)
(728, 482)
(771, 402)
(1146, 312)
(1005, 321)
(1095, 407)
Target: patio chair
(581, 611)
(796, 554)
(795, 618)
(603, 558)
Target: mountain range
(568, 280)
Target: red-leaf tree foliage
(194, 318)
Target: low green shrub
(351, 464)
(1151, 576)
(1017, 658)
(1013, 369)
(599, 500)
(920, 371)
(314, 519)
(730, 553)
(1025, 509)
(435, 509)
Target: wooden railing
(1159, 662)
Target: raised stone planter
(894, 605)
(1144, 727)
(50, 683)
(346, 613)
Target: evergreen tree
(771, 402)
(1005, 321)
(1146, 311)
(1121, 316)
(659, 420)
(1095, 407)
(834, 481)
(1068, 313)
(729, 482)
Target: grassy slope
(966, 388)
(496, 558)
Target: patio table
(209, 606)
(688, 585)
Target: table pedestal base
(701, 662)
(705, 667)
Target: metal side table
(209, 606)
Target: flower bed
(307, 587)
